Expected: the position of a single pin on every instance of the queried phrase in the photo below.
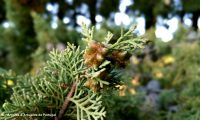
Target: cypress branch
(66, 102)
(70, 82)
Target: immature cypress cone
(119, 57)
(90, 83)
(95, 54)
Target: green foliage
(20, 37)
(187, 67)
(44, 91)
(191, 6)
(71, 35)
(165, 100)
(97, 66)
(126, 42)
(7, 81)
(180, 34)
(189, 102)
(122, 107)
(65, 74)
(88, 107)
(176, 69)
(105, 11)
(45, 34)
(2, 11)
(158, 7)
(3, 48)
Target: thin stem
(66, 102)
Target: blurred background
(27, 26)
(166, 72)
